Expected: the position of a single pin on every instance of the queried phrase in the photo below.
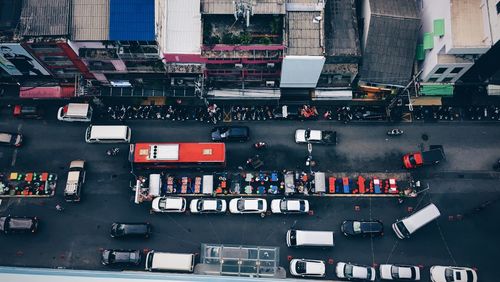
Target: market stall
(29, 184)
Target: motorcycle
(112, 151)
(395, 132)
(260, 145)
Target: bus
(177, 155)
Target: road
(463, 185)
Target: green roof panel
(420, 52)
(436, 89)
(439, 27)
(428, 41)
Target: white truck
(75, 112)
(315, 136)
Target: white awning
(343, 95)
(183, 27)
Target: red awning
(49, 92)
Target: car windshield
(301, 267)
(260, 205)
(283, 205)
(412, 160)
(368, 274)
(348, 270)
(307, 134)
(448, 275)
(402, 229)
(241, 205)
(356, 226)
(200, 205)
(219, 205)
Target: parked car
(453, 273)
(399, 272)
(208, 206)
(11, 139)
(168, 204)
(248, 205)
(24, 111)
(307, 268)
(289, 206)
(121, 229)
(121, 257)
(352, 271)
(230, 133)
(315, 136)
(18, 224)
(362, 227)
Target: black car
(231, 133)
(362, 227)
(120, 230)
(11, 139)
(121, 257)
(24, 111)
(13, 224)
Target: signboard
(17, 61)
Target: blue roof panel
(132, 20)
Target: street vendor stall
(30, 184)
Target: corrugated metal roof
(395, 8)
(183, 27)
(90, 20)
(132, 20)
(45, 18)
(390, 46)
(304, 36)
(263, 7)
(341, 29)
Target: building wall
(366, 14)
(494, 19)
(160, 24)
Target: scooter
(260, 145)
(113, 151)
(395, 132)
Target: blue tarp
(132, 20)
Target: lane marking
(14, 157)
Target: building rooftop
(264, 7)
(391, 42)
(467, 24)
(10, 11)
(90, 20)
(304, 33)
(341, 29)
(132, 20)
(183, 27)
(45, 18)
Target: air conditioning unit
(270, 83)
(238, 66)
(270, 65)
(120, 50)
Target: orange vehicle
(177, 155)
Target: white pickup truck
(316, 136)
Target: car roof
(359, 271)
(209, 204)
(20, 223)
(293, 205)
(5, 137)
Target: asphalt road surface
(463, 187)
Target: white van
(108, 134)
(305, 238)
(76, 178)
(408, 225)
(159, 261)
(75, 112)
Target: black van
(230, 133)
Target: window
(432, 79)
(457, 70)
(498, 7)
(447, 79)
(440, 70)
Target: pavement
(463, 187)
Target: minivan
(75, 112)
(160, 261)
(230, 133)
(306, 238)
(108, 134)
(408, 225)
(76, 178)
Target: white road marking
(14, 157)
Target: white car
(307, 268)
(399, 272)
(168, 204)
(208, 206)
(315, 136)
(452, 273)
(248, 205)
(289, 206)
(354, 271)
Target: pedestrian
(59, 207)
